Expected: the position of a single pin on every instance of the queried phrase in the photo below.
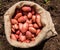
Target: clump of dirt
(53, 6)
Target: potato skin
(28, 34)
(34, 18)
(32, 29)
(14, 21)
(22, 38)
(18, 15)
(38, 31)
(13, 37)
(25, 8)
(35, 25)
(20, 27)
(25, 27)
(22, 19)
(38, 20)
(29, 15)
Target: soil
(53, 6)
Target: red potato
(16, 36)
(33, 35)
(33, 39)
(12, 29)
(20, 27)
(25, 17)
(30, 25)
(35, 25)
(22, 19)
(33, 12)
(18, 32)
(18, 15)
(29, 15)
(29, 21)
(38, 31)
(13, 37)
(26, 8)
(15, 26)
(34, 18)
(27, 41)
(22, 38)
(28, 34)
(14, 21)
(32, 29)
(25, 27)
(38, 20)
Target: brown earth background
(53, 6)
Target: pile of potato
(25, 24)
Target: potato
(18, 15)
(33, 12)
(15, 26)
(38, 20)
(30, 25)
(16, 36)
(25, 27)
(32, 29)
(20, 27)
(33, 18)
(13, 37)
(14, 21)
(33, 39)
(18, 32)
(22, 38)
(29, 21)
(35, 25)
(33, 35)
(38, 31)
(25, 17)
(29, 15)
(12, 29)
(22, 19)
(26, 8)
(28, 34)
(27, 41)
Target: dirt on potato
(53, 6)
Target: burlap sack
(47, 31)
